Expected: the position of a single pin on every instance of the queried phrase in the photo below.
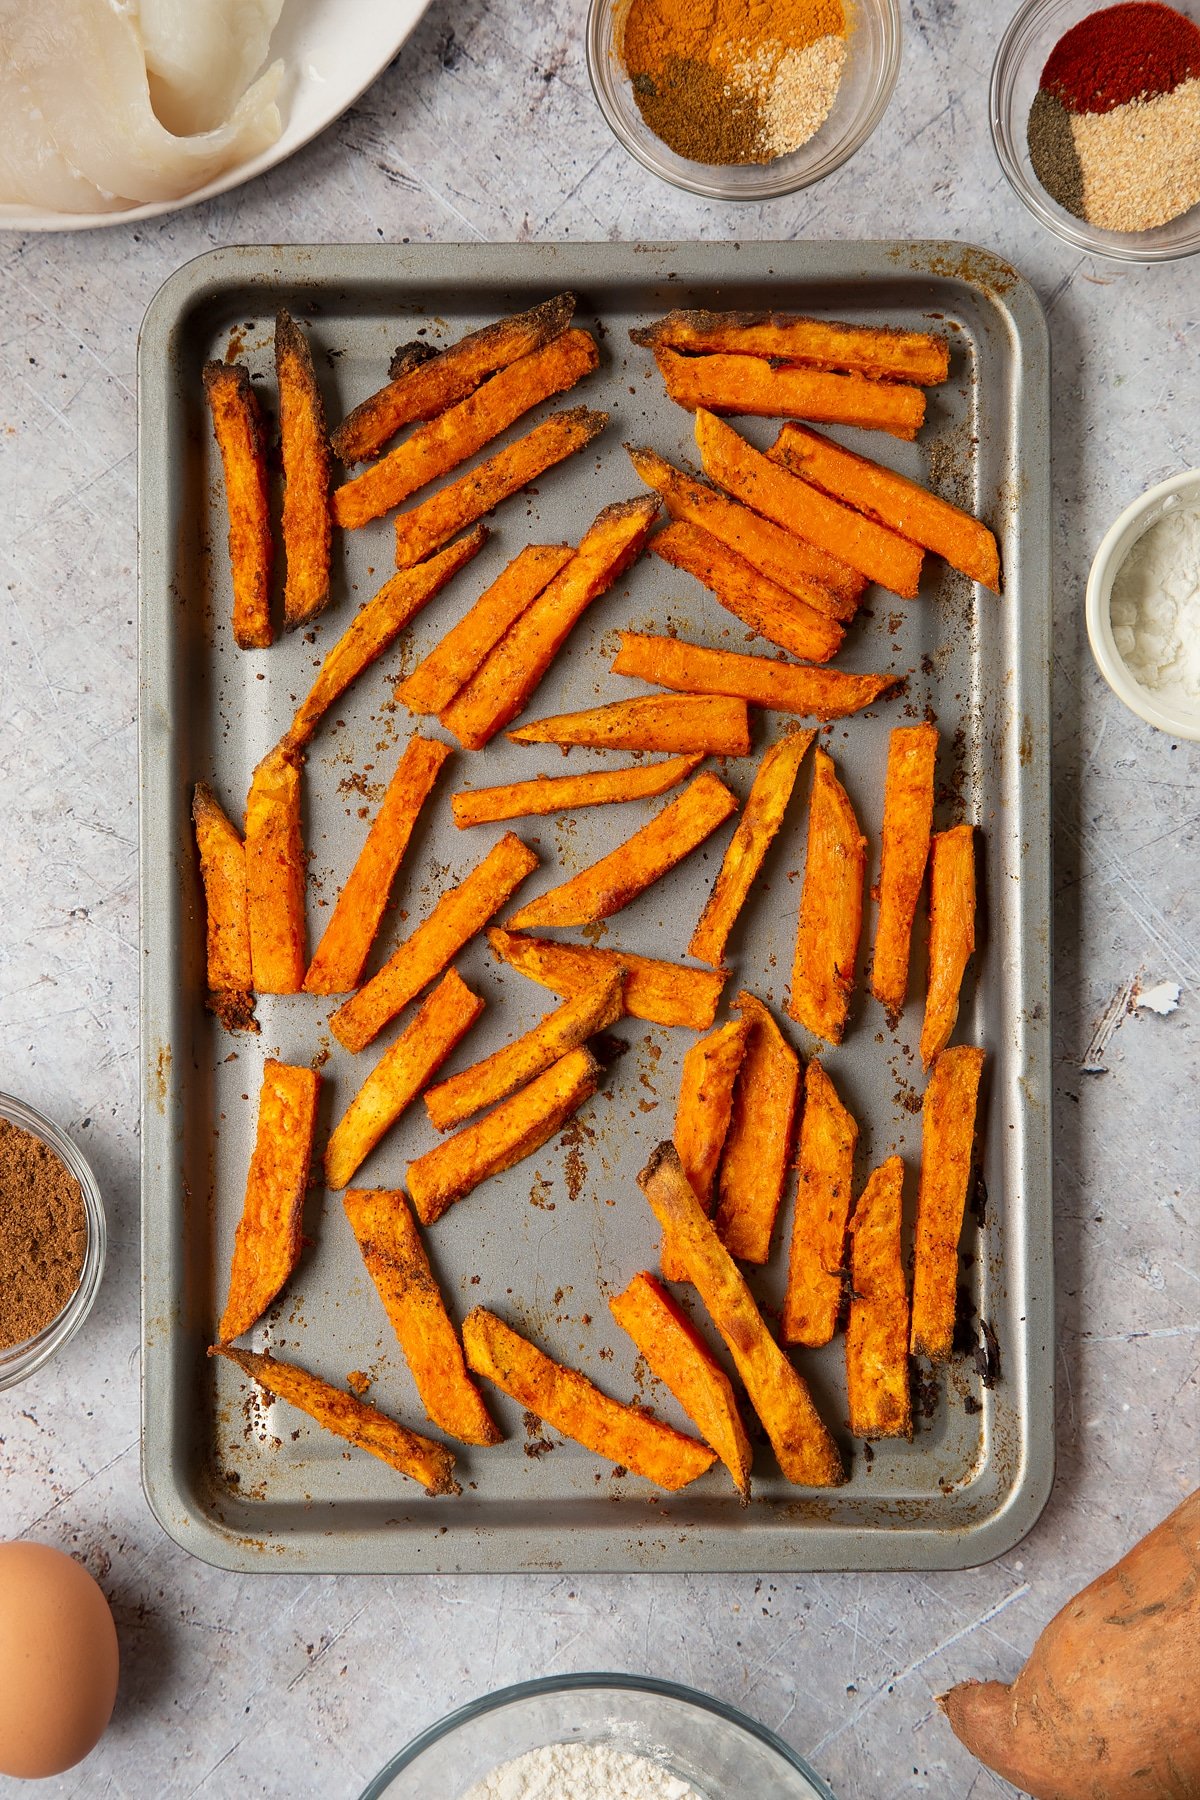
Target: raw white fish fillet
(201, 55)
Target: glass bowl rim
(24, 1359)
(550, 1684)
(888, 12)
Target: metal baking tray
(256, 1486)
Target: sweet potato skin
(662, 993)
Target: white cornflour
(1155, 607)
(581, 1772)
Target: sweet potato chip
(450, 665)
(747, 384)
(425, 527)
(424, 384)
(893, 500)
(347, 1417)
(683, 1362)
(398, 1077)
(230, 973)
(507, 1135)
(567, 793)
(951, 933)
(267, 1246)
(831, 903)
(758, 1144)
(761, 818)
(618, 878)
(917, 356)
(500, 1074)
(275, 873)
(376, 626)
(907, 819)
(947, 1139)
(713, 724)
(241, 439)
(785, 687)
(774, 491)
(807, 1454)
(458, 915)
(306, 472)
(445, 442)
(662, 993)
(567, 1401)
(398, 1265)
(877, 1384)
(763, 605)
(828, 1138)
(500, 688)
(346, 942)
(702, 1116)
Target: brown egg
(58, 1661)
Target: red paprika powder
(1123, 53)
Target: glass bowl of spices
(739, 101)
(52, 1240)
(1095, 115)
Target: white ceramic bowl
(1118, 542)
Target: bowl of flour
(1143, 606)
(597, 1737)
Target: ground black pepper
(688, 107)
(1052, 152)
(43, 1235)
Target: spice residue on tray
(43, 1235)
(734, 81)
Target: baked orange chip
(831, 904)
(907, 821)
(786, 687)
(877, 1384)
(708, 724)
(241, 439)
(922, 357)
(809, 632)
(567, 793)
(307, 464)
(230, 972)
(728, 383)
(951, 933)
(267, 1246)
(758, 1144)
(276, 868)
(662, 993)
(761, 818)
(816, 1268)
(702, 1117)
(947, 1142)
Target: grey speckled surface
(485, 128)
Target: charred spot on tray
(971, 1405)
(925, 1393)
(987, 1355)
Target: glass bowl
(722, 1753)
(1032, 34)
(872, 65)
(20, 1360)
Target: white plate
(332, 50)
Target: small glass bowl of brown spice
(52, 1240)
(739, 101)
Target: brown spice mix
(43, 1235)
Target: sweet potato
(425, 384)
(747, 384)
(440, 1023)
(275, 872)
(376, 626)
(567, 793)
(567, 1401)
(435, 448)
(807, 1454)
(662, 993)
(951, 933)
(786, 687)
(451, 663)
(877, 1385)
(500, 1074)
(816, 1265)
(683, 1362)
(229, 970)
(879, 554)
(916, 356)
(823, 582)
(267, 1246)
(714, 725)
(903, 505)
(501, 686)
(425, 527)
(763, 605)
(337, 965)
(459, 913)
(831, 904)
(947, 1141)
(907, 821)
(618, 878)
(241, 439)
(307, 465)
(1105, 1707)
(758, 1144)
(347, 1417)
(507, 1135)
(761, 818)
(702, 1116)
(398, 1265)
